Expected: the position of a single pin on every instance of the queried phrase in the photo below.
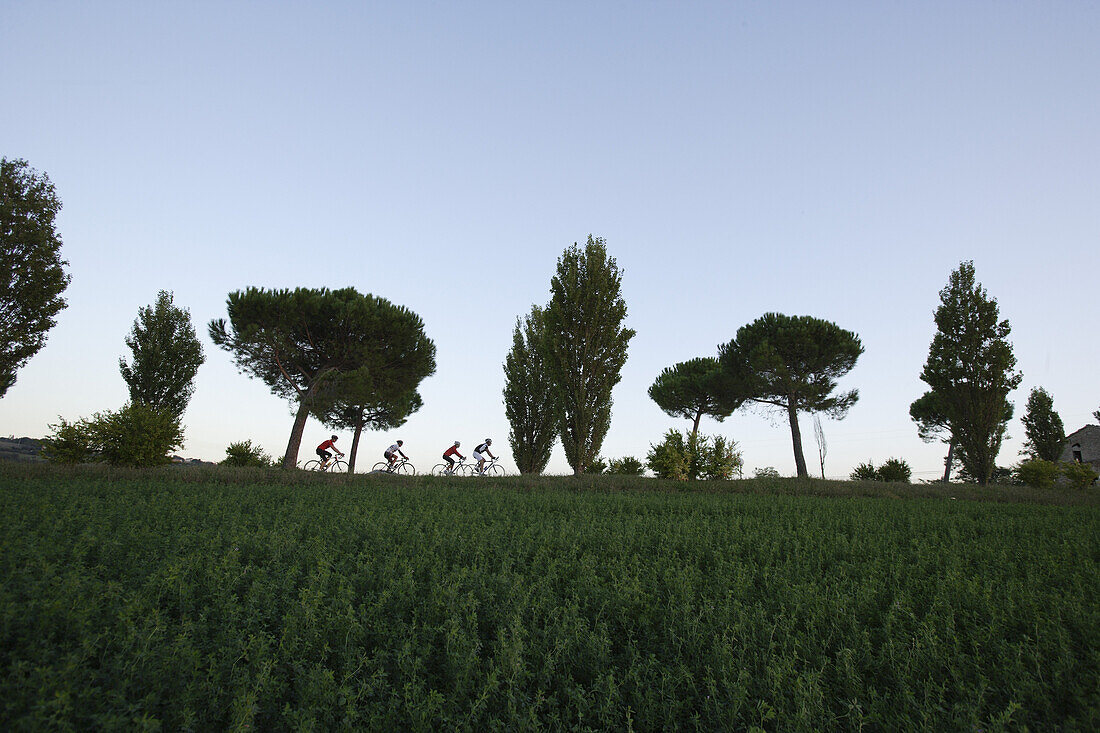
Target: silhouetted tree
(1043, 429)
(530, 397)
(166, 356)
(694, 388)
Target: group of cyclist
(391, 454)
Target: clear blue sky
(827, 159)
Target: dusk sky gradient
(829, 159)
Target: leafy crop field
(220, 599)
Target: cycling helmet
(457, 444)
(488, 441)
(334, 437)
(401, 442)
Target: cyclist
(452, 451)
(483, 448)
(322, 451)
(391, 453)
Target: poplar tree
(32, 273)
(1043, 429)
(166, 356)
(793, 363)
(530, 399)
(586, 346)
(971, 369)
(694, 388)
(295, 340)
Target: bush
(243, 453)
(894, 469)
(137, 435)
(765, 472)
(597, 467)
(864, 472)
(628, 466)
(1037, 473)
(1079, 475)
(699, 457)
(70, 443)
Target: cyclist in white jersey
(392, 451)
(483, 448)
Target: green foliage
(696, 457)
(137, 435)
(1037, 473)
(295, 340)
(864, 472)
(893, 469)
(70, 442)
(766, 472)
(244, 453)
(793, 363)
(190, 600)
(1045, 435)
(626, 466)
(166, 356)
(586, 346)
(694, 388)
(32, 275)
(1079, 475)
(530, 398)
(596, 467)
(971, 368)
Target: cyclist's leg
(450, 464)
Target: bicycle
(444, 469)
(334, 466)
(402, 467)
(491, 469)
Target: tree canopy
(166, 356)
(32, 274)
(793, 362)
(294, 340)
(930, 415)
(356, 401)
(971, 368)
(586, 346)
(694, 388)
(1045, 435)
(530, 398)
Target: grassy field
(203, 599)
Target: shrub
(597, 467)
(864, 472)
(765, 472)
(1037, 473)
(137, 435)
(69, 443)
(628, 466)
(699, 457)
(1079, 475)
(670, 458)
(894, 469)
(243, 453)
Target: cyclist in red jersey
(452, 451)
(322, 451)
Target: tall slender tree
(295, 340)
(694, 388)
(166, 356)
(586, 345)
(930, 415)
(971, 368)
(793, 363)
(1045, 435)
(822, 444)
(32, 273)
(530, 399)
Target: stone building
(1083, 446)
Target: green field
(202, 599)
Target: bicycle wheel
(381, 466)
(311, 465)
(406, 469)
(440, 469)
(494, 470)
(338, 467)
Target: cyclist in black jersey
(483, 448)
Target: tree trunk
(355, 444)
(695, 427)
(796, 438)
(947, 461)
(290, 460)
